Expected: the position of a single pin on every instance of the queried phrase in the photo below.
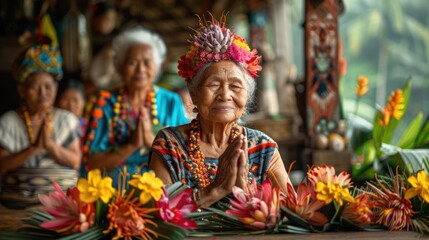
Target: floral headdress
(214, 42)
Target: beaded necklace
(27, 121)
(122, 110)
(198, 168)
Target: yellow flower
(241, 43)
(149, 184)
(95, 187)
(362, 86)
(420, 186)
(328, 192)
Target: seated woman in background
(123, 123)
(38, 143)
(72, 97)
(212, 153)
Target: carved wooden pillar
(321, 66)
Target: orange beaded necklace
(198, 168)
(27, 121)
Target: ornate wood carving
(321, 65)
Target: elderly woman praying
(123, 122)
(38, 142)
(213, 153)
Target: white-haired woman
(123, 122)
(213, 153)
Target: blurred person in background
(38, 142)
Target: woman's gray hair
(250, 82)
(138, 35)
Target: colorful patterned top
(174, 150)
(110, 125)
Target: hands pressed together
(143, 135)
(233, 166)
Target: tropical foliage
(374, 146)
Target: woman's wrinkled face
(222, 94)
(39, 91)
(73, 101)
(138, 68)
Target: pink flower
(326, 174)
(238, 54)
(300, 203)
(69, 213)
(172, 210)
(258, 208)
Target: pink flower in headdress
(238, 54)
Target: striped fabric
(171, 146)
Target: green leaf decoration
(360, 131)
(409, 137)
(175, 189)
(167, 231)
(420, 224)
(422, 140)
(294, 219)
(411, 160)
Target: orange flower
(359, 212)
(362, 86)
(97, 113)
(394, 108)
(396, 104)
(384, 118)
(130, 219)
(391, 209)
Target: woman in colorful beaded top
(38, 143)
(212, 153)
(123, 123)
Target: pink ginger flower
(69, 213)
(300, 202)
(258, 208)
(172, 210)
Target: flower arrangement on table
(326, 201)
(140, 209)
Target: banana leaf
(410, 160)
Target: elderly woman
(213, 153)
(123, 123)
(38, 143)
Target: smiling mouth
(223, 109)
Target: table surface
(10, 220)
